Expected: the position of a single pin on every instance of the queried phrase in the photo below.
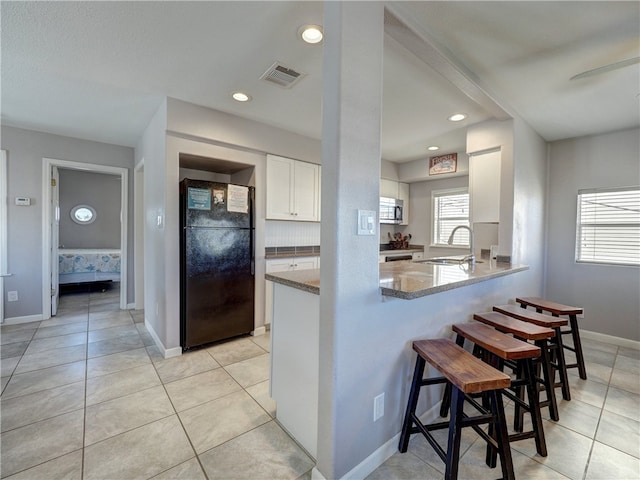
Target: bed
(88, 265)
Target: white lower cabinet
(288, 264)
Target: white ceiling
(99, 70)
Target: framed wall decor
(443, 164)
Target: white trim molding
(602, 337)
(165, 352)
(46, 225)
(25, 319)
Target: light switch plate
(366, 222)
(23, 201)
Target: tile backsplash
(291, 234)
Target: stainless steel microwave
(391, 210)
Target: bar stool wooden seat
(542, 320)
(467, 375)
(557, 309)
(494, 348)
(542, 337)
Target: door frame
(46, 224)
(138, 234)
(4, 205)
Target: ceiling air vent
(282, 76)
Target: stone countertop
(409, 280)
(307, 280)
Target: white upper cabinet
(484, 187)
(293, 190)
(399, 190)
(388, 188)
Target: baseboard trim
(259, 331)
(166, 352)
(131, 306)
(25, 319)
(602, 337)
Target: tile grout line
(595, 433)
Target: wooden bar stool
(541, 320)
(467, 374)
(496, 348)
(541, 336)
(557, 309)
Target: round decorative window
(83, 214)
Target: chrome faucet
(471, 257)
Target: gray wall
(609, 294)
(25, 151)
(100, 191)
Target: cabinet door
(305, 263)
(388, 188)
(306, 191)
(280, 265)
(403, 194)
(280, 178)
(484, 187)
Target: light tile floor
(87, 395)
(597, 436)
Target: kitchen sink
(445, 261)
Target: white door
(55, 230)
(3, 228)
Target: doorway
(50, 215)
(3, 227)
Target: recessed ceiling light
(311, 33)
(241, 97)
(433, 147)
(457, 117)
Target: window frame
(597, 258)
(463, 220)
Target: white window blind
(450, 209)
(608, 226)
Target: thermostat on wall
(23, 201)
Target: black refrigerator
(217, 269)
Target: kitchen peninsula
(296, 318)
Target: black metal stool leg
(534, 408)
(577, 345)
(455, 434)
(562, 366)
(418, 372)
(548, 380)
(501, 435)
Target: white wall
(25, 151)
(152, 149)
(418, 170)
(609, 294)
(291, 234)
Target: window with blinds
(608, 226)
(450, 209)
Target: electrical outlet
(12, 296)
(378, 407)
